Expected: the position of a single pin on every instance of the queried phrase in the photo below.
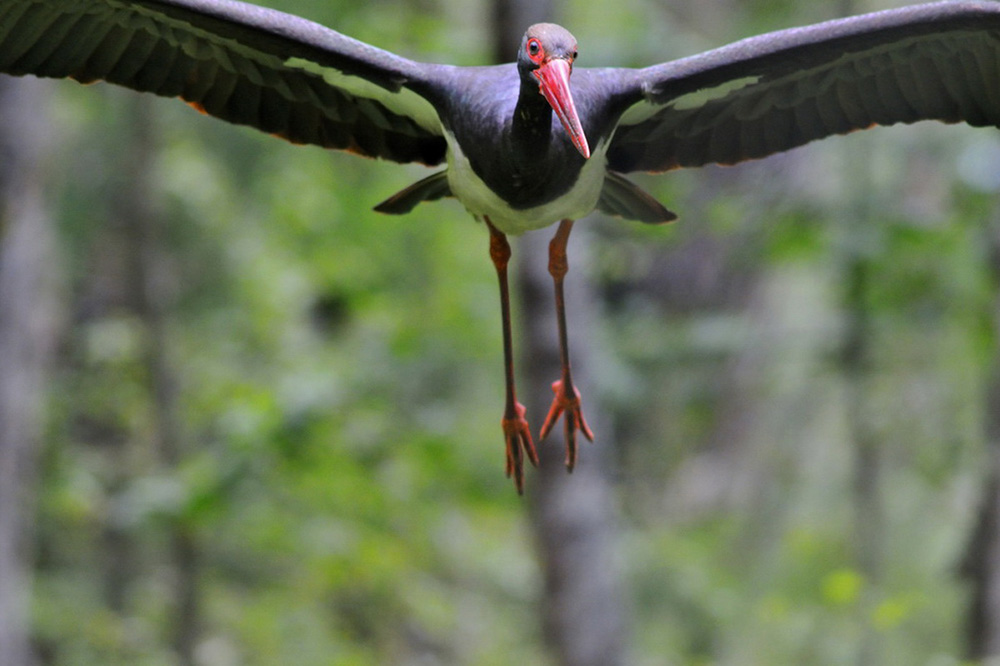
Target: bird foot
(570, 404)
(518, 438)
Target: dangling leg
(567, 398)
(515, 427)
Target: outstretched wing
(774, 92)
(244, 64)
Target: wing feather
(241, 63)
(770, 93)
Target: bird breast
(480, 200)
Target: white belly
(479, 200)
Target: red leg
(515, 427)
(567, 398)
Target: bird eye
(574, 55)
(534, 48)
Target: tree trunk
(28, 326)
(583, 614)
(981, 564)
(150, 271)
(583, 610)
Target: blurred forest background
(262, 421)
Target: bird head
(547, 54)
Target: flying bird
(532, 143)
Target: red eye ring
(534, 49)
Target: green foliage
(338, 390)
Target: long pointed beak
(554, 79)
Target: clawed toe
(518, 438)
(568, 402)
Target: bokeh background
(268, 431)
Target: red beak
(553, 76)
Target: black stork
(533, 143)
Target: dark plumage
(530, 143)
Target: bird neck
(531, 127)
